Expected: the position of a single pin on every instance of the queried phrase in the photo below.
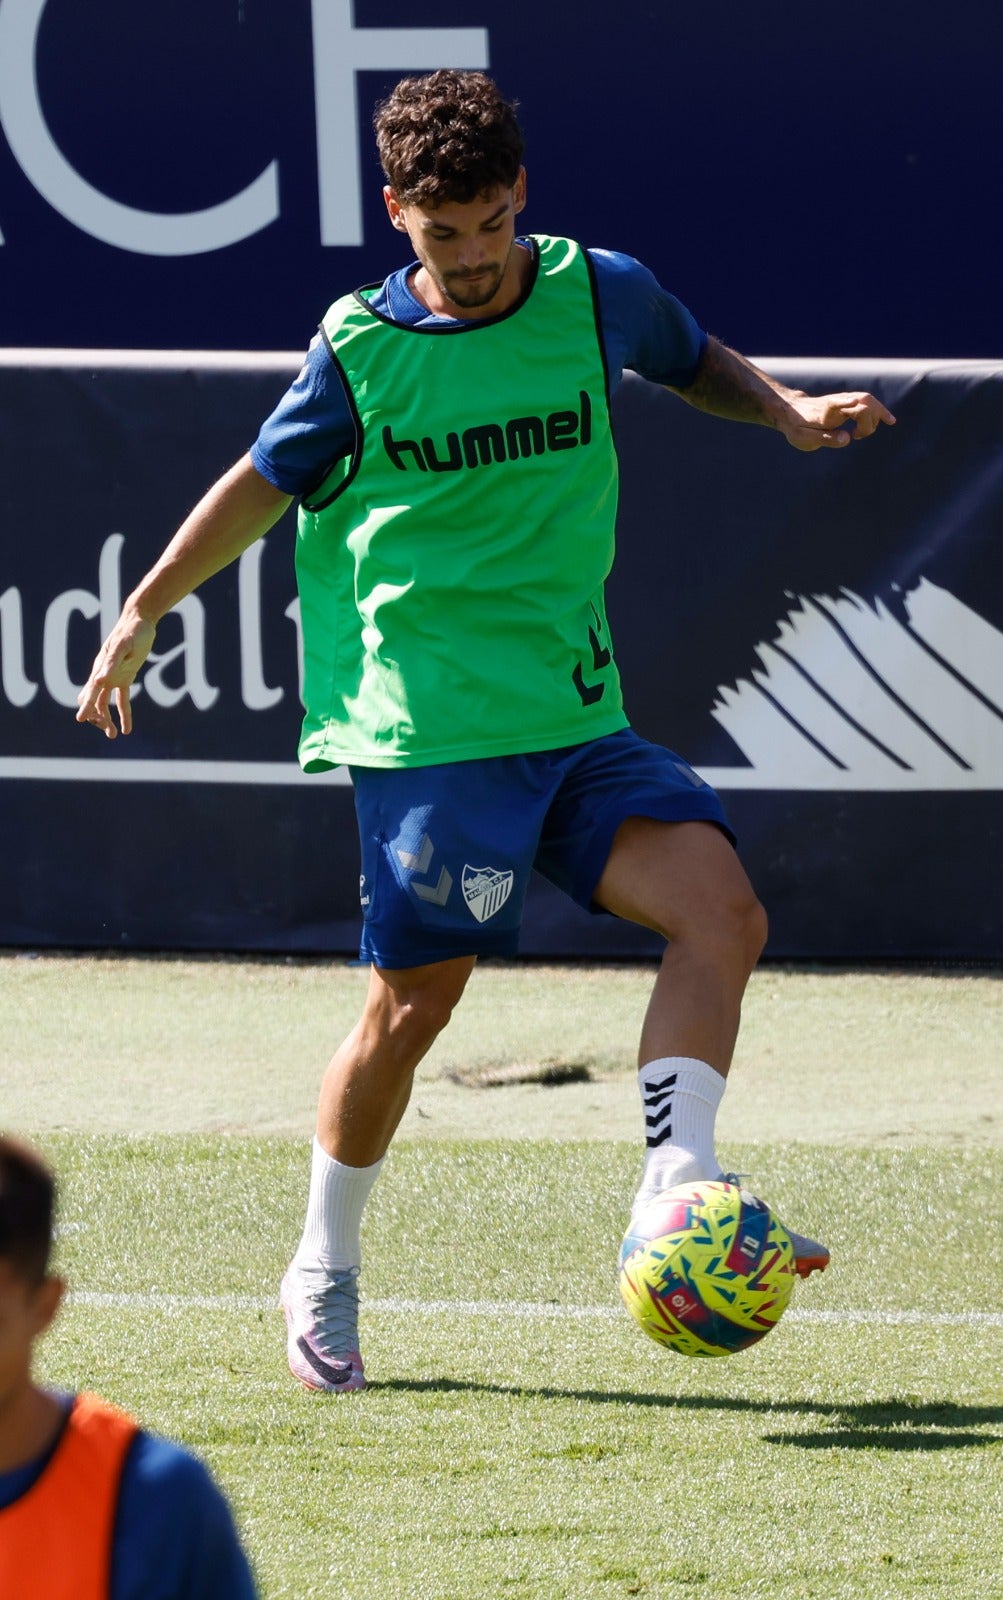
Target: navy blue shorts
(447, 850)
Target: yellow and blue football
(706, 1269)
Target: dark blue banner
(822, 636)
(202, 175)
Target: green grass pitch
(520, 1435)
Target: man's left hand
(830, 421)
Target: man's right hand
(238, 509)
(113, 674)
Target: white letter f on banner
(340, 50)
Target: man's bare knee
(756, 931)
(423, 1014)
(418, 1003)
(728, 931)
(739, 924)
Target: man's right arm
(236, 511)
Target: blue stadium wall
(202, 174)
(822, 636)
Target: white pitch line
(517, 1309)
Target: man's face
(26, 1310)
(468, 266)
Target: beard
(469, 293)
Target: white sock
(337, 1199)
(680, 1096)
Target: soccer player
(448, 439)
(92, 1507)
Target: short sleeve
(310, 429)
(645, 328)
(174, 1533)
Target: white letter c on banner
(151, 233)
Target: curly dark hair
(447, 137)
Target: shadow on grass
(874, 1425)
(903, 1437)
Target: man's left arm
(727, 385)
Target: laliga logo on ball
(706, 1269)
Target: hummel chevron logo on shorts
(435, 893)
(657, 1099)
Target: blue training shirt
(174, 1536)
(643, 328)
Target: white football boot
(322, 1318)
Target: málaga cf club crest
(485, 890)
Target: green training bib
(451, 572)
